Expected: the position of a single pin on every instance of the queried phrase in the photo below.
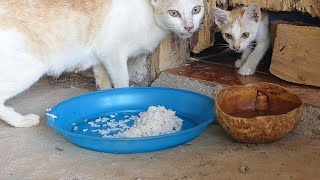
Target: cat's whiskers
(222, 45)
(251, 46)
(249, 49)
(201, 25)
(226, 51)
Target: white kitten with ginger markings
(39, 37)
(240, 28)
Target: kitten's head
(180, 16)
(239, 26)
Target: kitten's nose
(188, 28)
(236, 47)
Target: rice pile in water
(156, 121)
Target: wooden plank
(296, 54)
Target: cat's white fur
(241, 20)
(41, 37)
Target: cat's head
(182, 17)
(239, 26)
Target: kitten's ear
(253, 13)
(221, 17)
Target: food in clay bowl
(258, 113)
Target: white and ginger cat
(241, 28)
(39, 37)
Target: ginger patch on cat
(44, 31)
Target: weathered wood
(171, 53)
(310, 6)
(296, 54)
(205, 37)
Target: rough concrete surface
(41, 153)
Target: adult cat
(39, 37)
(240, 28)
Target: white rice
(75, 128)
(104, 119)
(156, 121)
(52, 116)
(98, 120)
(93, 124)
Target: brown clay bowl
(258, 113)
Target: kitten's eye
(228, 36)
(245, 35)
(196, 10)
(174, 13)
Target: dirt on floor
(41, 153)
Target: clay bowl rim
(257, 117)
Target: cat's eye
(228, 36)
(174, 13)
(196, 10)
(245, 35)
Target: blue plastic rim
(196, 110)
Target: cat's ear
(155, 2)
(253, 13)
(221, 17)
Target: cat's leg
(249, 67)
(102, 77)
(117, 68)
(16, 75)
(243, 59)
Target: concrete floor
(41, 153)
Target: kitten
(242, 27)
(39, 37)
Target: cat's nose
(188, 28)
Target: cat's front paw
(246, 71)
(29, 120)
(238, 63)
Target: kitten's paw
(10, 108)
(29, 120)
(238, 63)
(246, 71)
(103, 86)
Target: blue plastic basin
(195, 109)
